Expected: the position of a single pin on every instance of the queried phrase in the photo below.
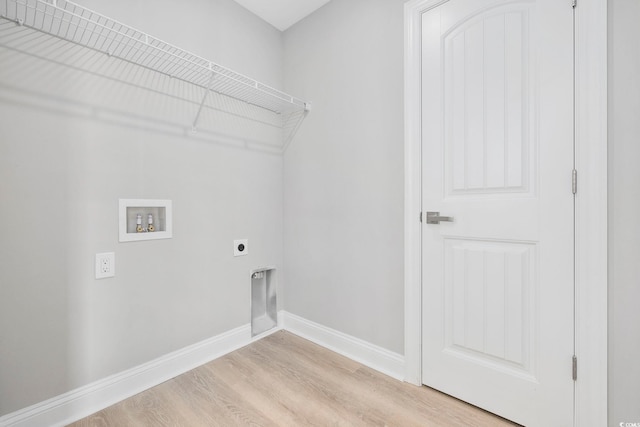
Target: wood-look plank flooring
(284, 380)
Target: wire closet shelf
(71, 22)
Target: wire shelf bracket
(71, 22)
(194, 127)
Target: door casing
(591, 204)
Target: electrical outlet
(240, 247)
(105, 265)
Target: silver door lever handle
(435, 218)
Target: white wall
(63, 166)
(343, 197)
(624, 207)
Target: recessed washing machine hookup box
(145, 219)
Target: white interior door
(497, 157)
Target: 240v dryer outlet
(241, 247)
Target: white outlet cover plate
(105, 265)
(236, 249)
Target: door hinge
(420, 216)
(574, 181)
(574, 368)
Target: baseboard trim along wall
(361, 351)
(81, 402)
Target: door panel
(486, 103)
(498, 331)
(497, 108)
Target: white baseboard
(81, 402)
(370, 355)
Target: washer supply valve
(139, 228)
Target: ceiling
(282, 13)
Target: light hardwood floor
(284, 380)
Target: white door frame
(591, 204)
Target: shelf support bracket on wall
(297, 121)
(194, 126)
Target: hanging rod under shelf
(72, 22)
